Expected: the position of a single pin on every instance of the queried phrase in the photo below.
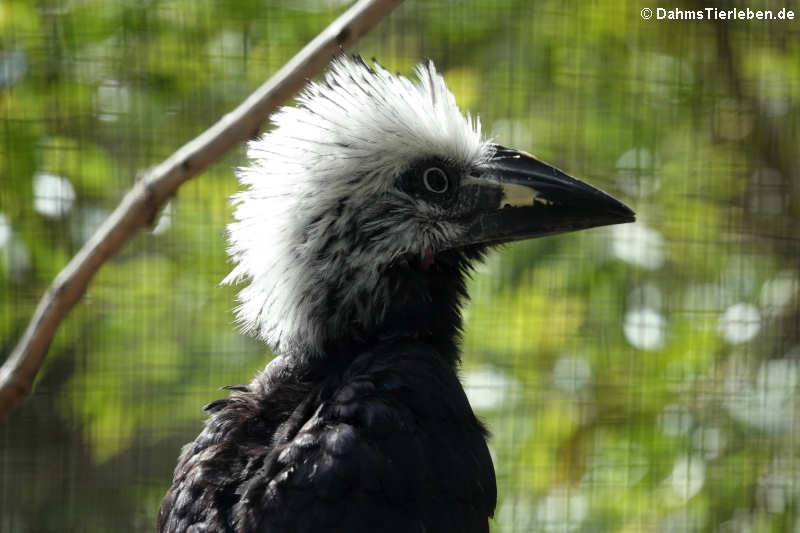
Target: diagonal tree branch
(141, 203)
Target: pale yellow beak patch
(517, 195)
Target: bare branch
(141, 203)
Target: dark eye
(435, 180)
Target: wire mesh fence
(635, 378)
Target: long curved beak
(531, 199)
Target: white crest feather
(314, 179)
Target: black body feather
(377, 435)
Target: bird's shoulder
(388, 442)
(235, 438)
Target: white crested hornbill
(361, 213)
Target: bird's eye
(435, 180)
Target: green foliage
(641, 378)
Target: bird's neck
(425, 303)
(416, 299)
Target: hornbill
(361, 213)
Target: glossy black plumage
(376, 436)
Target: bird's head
(370, 182)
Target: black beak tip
(604, 206)
(624, 212)
(607, 204)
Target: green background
(641, 378)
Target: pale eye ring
(435, 180)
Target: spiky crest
(320, 219)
